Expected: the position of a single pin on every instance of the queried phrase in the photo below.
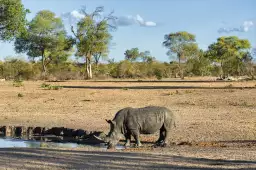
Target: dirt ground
(206, 111)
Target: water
(56, 137)
(11, 143)
(20, 143)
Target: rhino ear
(109, 121)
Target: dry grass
(204, 114)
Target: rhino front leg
(128, 140)
(136, 136)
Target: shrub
(18, 69)
(20, 95)
(17, 83)
(158, 73)
(50, 87)
(55, 87)
(44, 85)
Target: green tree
(199, 65)
(12, 19)
(92, 36)
(132, 54)
(181, 45)
(46, 38)
(100, 55)
(146, 57)
(17, 68)
(102, 48)
(229, 52)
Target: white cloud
(75, 15)
(245, 27)
(132, 20)
(150, 24)
(141, 21)
(72, 17)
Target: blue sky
(143, 23)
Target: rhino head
(113, 136)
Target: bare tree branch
(97, 11)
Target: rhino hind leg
(167, 127)
(161, 138)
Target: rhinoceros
(135, 121)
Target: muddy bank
(80, 136)
(53, 134)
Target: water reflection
(9, 143)
(34, 137)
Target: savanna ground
(216, 126)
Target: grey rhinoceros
(135, 121)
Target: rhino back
(148, 119)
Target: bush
(50, 87)
(158, 74)
(44, 85)
(17, 83)
(65, 71)
(20, 95)
(17, 69)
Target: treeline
(19, 69)
(48, 46)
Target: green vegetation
(11, 69)
(45, 37)
(12, 19)
(17, 83)
(45, 40)
(92, 37)
(181, 45)
(20, 95)
(44, 85)
(50, 87)
(232, 54)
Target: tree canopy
(46, 38)
(229, 52)
(132, 54)
(92, 36)
(12, 19)
(181, 45)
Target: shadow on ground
(20, 158)
(153, 87)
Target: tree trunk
(43, 74)
(88, 66)
(90, 70)
(181, 69)
(86, 69)
(221, 71)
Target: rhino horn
(100, 138)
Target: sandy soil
(172, 158)
(206, 111)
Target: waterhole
(55, 137)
